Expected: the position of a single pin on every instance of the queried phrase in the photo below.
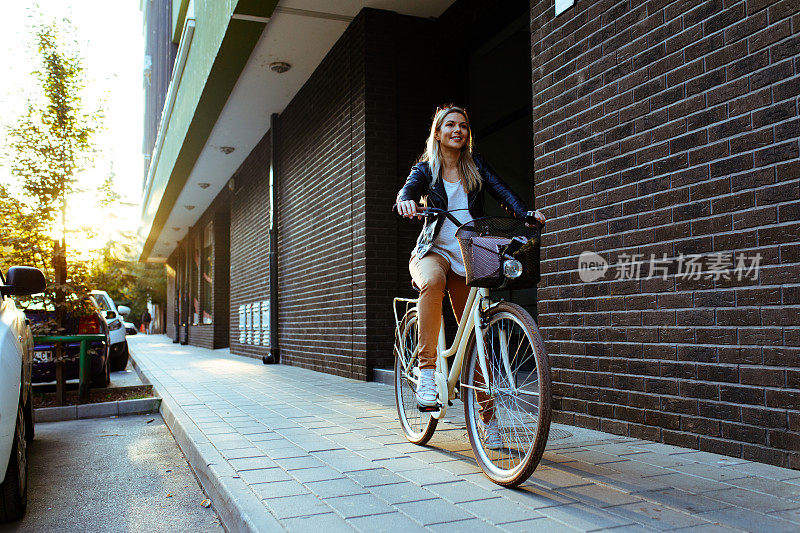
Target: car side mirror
(24, 281)
(111, 314)
(123, 310)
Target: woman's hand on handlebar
(408, 208)
(535, 216)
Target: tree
(49, 146)
(128, 282)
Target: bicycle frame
(470, 320)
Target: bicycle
(512, 355)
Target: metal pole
(274, 183)
(83, 386)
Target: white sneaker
(426, 389)
(491, 435)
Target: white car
(16, 405)
(118, 350)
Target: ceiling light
(227, 149)
(279, 66)
(176, 228)
(189, 207)
(204, 185)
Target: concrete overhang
(237, 98)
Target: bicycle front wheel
(508, 412)
(417, 426)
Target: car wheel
(120, 360)
(14, 488)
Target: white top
(446, 243)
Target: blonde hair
(467, 169)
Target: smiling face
(454, 132)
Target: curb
(237, 506)
(383, 375)
(139, 406)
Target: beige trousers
(433, 276)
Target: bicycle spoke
(511, 394)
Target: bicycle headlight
(512, 268)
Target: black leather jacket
(418, 186)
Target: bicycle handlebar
(430, 212)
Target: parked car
(118, 350)
(16, 404)
(130, 328)
(44, 366)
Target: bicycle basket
(486, 243)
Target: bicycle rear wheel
(516, 398)
(417, 426)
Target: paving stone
(683, 500)
(459, 468)
(751, 500)
(358, 505)
(426, 476)
(293, 463)
(749, 520)
(763, 470)
(497, 510)
(400, 464)
(553, 478)
(428, 512)
(584, 517)
(335, 487)
(598, 496)
(344, 460)
(252, 463)
(540, 525)
(705, 528)
(319, 473)
(459, 491)
(655, 516)
(585, 470)
(294, 506)
(375, 477)
(402, 492)
(465, 526)
(386, 523)
(241, 453)
(710, 472)
(791, 515)
(272, 416)
(278, 489)
(264, 475)
(768, 486)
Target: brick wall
(249, 241)
(321, 236)
(671, 127)
(216, 334)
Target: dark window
(207, 274)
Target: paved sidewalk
(279, 447)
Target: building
(660, 138)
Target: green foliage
(50, 144)
(128, 282)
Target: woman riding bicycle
(448, 176)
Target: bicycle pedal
(429, 409)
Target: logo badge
(591, 266)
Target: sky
(112, 47)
